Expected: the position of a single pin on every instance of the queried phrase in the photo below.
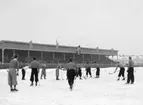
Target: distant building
(50, 53)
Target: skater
(57, 71)
(71, 73)
(43, 72)
(76, 72)
(79, 72)
(88, 69)
(13, 72)
(62, 70)
(97, 71)
(23, 73)
(35, 70)
(130, 71)
(121, 72)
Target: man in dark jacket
(130, 75)
(97, 70)
(79, 71)
(121, 72)
(71, 72)
(88, 69)
(23, 73)
(35, 70)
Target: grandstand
(51, 54)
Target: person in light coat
(13, 73)
(43, 72)
(58, 71)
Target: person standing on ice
(23, 73)
(79, 72)
(43, 72)
(57, 71)
(97, 71)
(13, 72)
(88, 69)
(130, 75)
(121, 72)
(71, 72)
(35, 70)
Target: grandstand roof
(6, 44)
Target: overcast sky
(106, 24)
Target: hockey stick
(112, 73)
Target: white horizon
(105, 24)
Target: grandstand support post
(82, 57)
(28, 56)
(42, 56)
(107, 57)
(73, 56)
(91, 57)
(112, 60)
(64, 57)
(13, 52)
(3, 55)
(98, 57)
(53, 57)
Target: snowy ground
(102, 91)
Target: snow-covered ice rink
(105, 90)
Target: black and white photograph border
(71, 52)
